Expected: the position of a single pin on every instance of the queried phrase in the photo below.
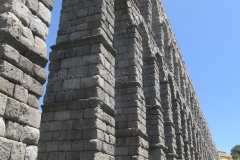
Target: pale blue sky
(208, 33)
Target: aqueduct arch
(117, 88)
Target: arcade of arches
(118, 88)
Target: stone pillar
(169, 57)
(183, 85)
(157, 27)
(155, 123)
(170, 137)
(78, 111)
(151, 83)
(23, 31)
(177, 72)
(145, 7)
(156, 137)
(194, 142)
(200, 148)
(185, 135)
(178, 128)
(130, 106)
(190, 138)
(192, 105)
(189, 101)
(160, 36)
(197, 154)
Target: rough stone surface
(6, 87)
(11, 72)
(3, 102)
(32, 5)
(8, 53)
(29, 116)
(2, 127)
(20, 94)
(118, 88)
(31, 153)
(13, 130)
(32, 101)
(12, 109)
(30, 135)
(18, 151)
(5, 148)
(23, 30)
(44, 13)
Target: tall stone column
(145, 7)
(200, 148)
(177, 72)
(155, 123)
(183, 85)
(156, 137)
(23, 31)
(197, 148)
(189, 100)
(169, 57)
(190, 138)
(131, 133)
(158, 33)
(78, 111)
(178, 128)
(170, 137)
(194, 143)
(151, 83)
(185, 135)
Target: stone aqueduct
(117, 88)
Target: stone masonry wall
(23, 30)
(118, 88)
(78, 112)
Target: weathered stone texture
(118, 88)
(5, 148)
(23, 30)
